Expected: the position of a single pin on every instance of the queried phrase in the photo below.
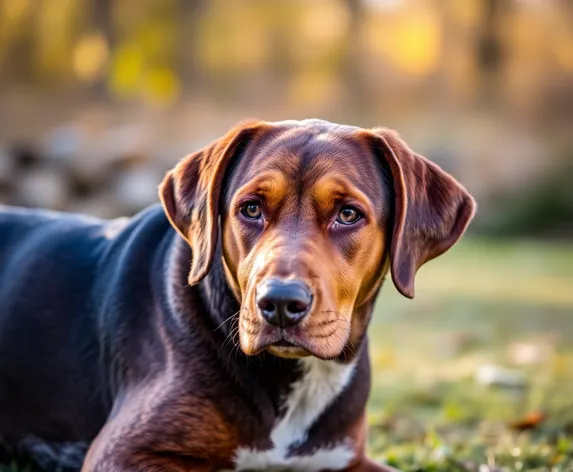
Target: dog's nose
(283, 302)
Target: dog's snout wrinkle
(283, 303)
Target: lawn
(475, 373)
(483, 306)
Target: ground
(474, 374)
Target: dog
(225, 328)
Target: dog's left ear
(431, 209)
(190, 195)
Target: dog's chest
(308, 398)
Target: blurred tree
(352, 67)
(16, 41)
(490, 51)
(103, 25)
(188, 67)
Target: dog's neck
(216, 297)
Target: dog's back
(47, 265)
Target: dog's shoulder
(31, 240)
(36, 245)
(18, 223)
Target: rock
(5, 196)
(136, 188)
(101, 206)
(494, 375)
(6, 181)
(62, 144)
(42, 187)
(127, 140)
(524, 353)
(6, 170)
(25, 156)
(489, 468)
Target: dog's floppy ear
(190, 195)
(431, 209)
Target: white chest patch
(320, 383)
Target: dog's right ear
(190, 194)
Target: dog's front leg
(145, 462)
(116, 450)
(173, 432)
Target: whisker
(236, 345)
(339, 317)
(230, 337)
(230, 318)
(348, 342)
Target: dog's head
(312, 217)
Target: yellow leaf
(161, 85)
(127, 71)
(89, 56)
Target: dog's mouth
(283, 343)
(287, 350)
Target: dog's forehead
(307, 151)
(313, 123)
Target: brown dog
(255, 357)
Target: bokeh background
(98, 98)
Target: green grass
(485, 302)
(508, 304)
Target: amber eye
(251, 210)
(348, 215)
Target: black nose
(283, 303)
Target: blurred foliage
(484, 87)
(156, 50)
(545, 209)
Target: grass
(485, 303)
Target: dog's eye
(348, 215)
(251, 210)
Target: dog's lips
(286, 348)
(286, 343)
(288, 352)
(275, 337)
